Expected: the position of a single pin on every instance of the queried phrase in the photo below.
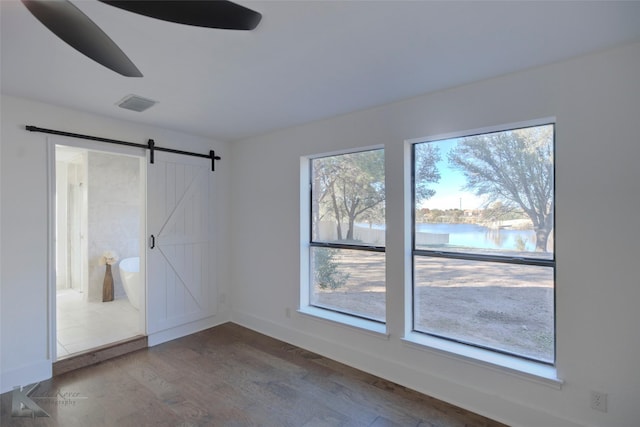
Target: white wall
(24, 278)
(596, 100)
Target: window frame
(466, 349)
(360, 322)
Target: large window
(483, 241)
(347, 236)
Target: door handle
(152, 242)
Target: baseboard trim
(99, 354)
(432, 384)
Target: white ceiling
(307, 60)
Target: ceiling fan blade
(78, 31)
(221, 14)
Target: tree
(326, 272)
(361, 187)
(349, 187)
(513, 167)
(325, 173)
(426, 172)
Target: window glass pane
(478, 199)
(486, 194)
(348, 199)
(508, 307)
(349, 281)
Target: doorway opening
(99, 254)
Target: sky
(449, 192)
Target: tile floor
(83, 325)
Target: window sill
(525, 369)
(362, 325)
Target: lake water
(457, 236)
(477, 236)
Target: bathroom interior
(99, 212)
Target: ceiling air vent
(135, 103)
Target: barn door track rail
(151, 145)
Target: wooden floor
(231, 376)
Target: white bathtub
(131, 280)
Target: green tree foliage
(426, 172)
(326, 272)
(362, 190)
(347, 188)
(325, 202)
(498, 211)
(350, 188)
(515, 168)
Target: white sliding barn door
(181, 285)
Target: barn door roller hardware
(151, 145)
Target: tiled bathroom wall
(114, 215)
